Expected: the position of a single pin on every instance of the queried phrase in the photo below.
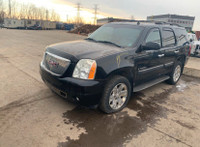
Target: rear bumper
(85, 92)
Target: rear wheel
(116, 95)
(176, 73)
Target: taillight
(190, 47)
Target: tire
(173, 77)
(116, 94)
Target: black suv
(117, 59)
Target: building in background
(110, 19)
(184, 21)
(13, 23)
(47, 25)
(198, 34)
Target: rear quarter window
(181, 36)
(168, 37)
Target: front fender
(115, 64)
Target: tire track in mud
(12, 112)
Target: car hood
(83, 49)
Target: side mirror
(151, 46)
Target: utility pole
(78, 12)
(9, 6)
(132, 17)
(47, 15)
(67, 16)
(95, 13)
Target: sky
(140, 9)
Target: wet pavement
(31, 115)
(119, 128)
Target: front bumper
(85, 92)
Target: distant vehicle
(1, 25)
(116, 60)
(35, 27)
(195, 50)
(68, 27)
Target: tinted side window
(168, 38)
(181, 36)
(154, 37)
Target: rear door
(148, 61)
(170, 49)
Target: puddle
(101, 129)
(116, 129)
(113, 129)
(181, 87)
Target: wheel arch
(182, 59)
(127, 72)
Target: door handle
(161, 55)
(177, 51)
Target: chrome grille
(55, 64)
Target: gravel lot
(31, 115)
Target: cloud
(140, 9)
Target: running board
(149, 84)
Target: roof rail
(155, 22)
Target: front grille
(55, 64)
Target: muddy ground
(31, 115)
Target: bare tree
(9, 8)
(2, 13)
(15, 9)
(1, 5)
(23, 11)
(42, 13)
(54, 16)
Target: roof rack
(155, 22)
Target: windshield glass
(122, 35)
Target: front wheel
(176, 73)
(116, 95)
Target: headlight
(85, 69)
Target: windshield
(121, 35)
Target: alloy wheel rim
(118, 96)
(177, 73)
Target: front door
(149, 62)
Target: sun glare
(66, 11)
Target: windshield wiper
(91, 39)
(103, 42)
(110, 43)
